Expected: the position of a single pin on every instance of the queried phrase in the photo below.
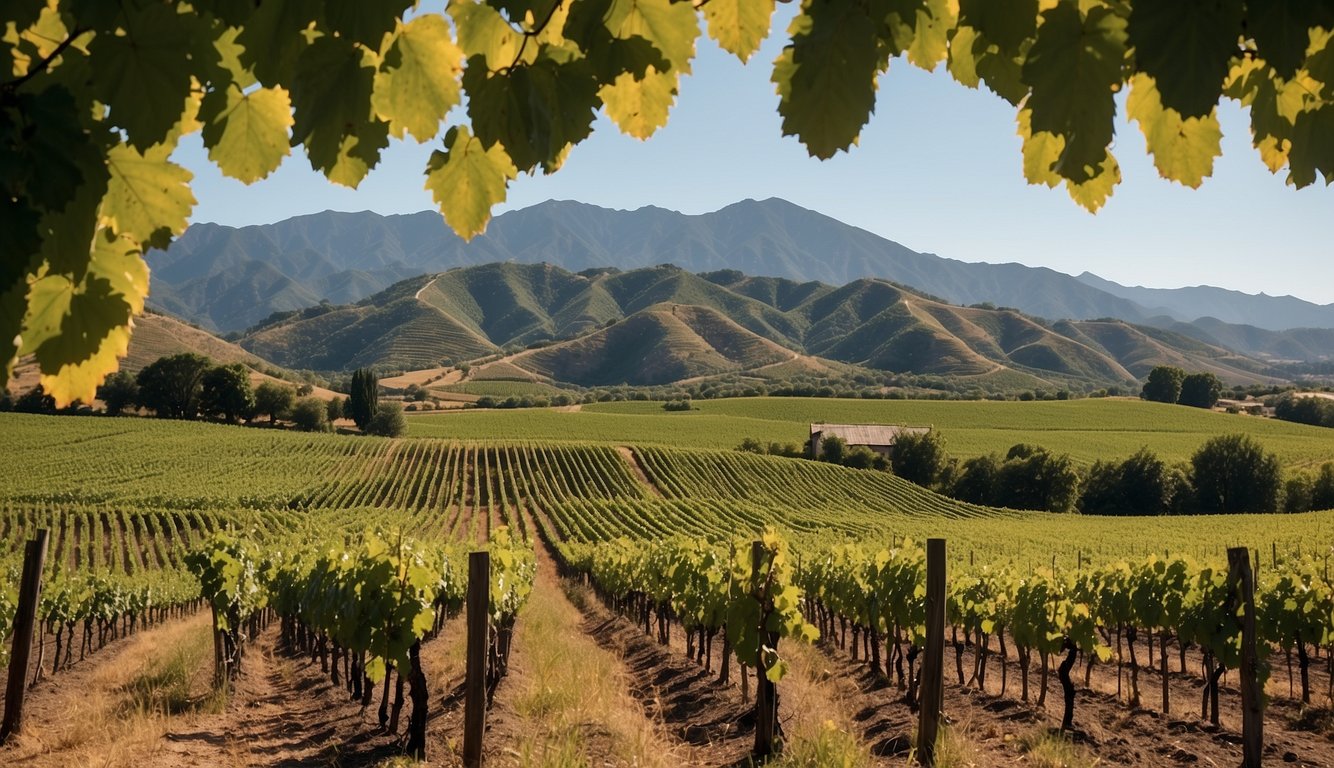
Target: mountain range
(663, 324)
(227, 279)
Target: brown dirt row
(637, 469)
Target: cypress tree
(363, 396)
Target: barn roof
(866, 434)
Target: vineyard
(348, 555)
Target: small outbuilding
(878, 437)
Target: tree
(832, 450)
(1139, 485)
(860, 457)
(1200, 390)
(388, 421)
(750, 445)
(975, 481)
(1316, 411)
(35, 400)
(171, 386)
(1163, 385)
(274, 399)
(227, 393)
(1322, 488)
(363, 395)
(334, 409)
(309, 414)
(1234, 473)
(1034, 478)
(90, 185)
(919, 458)
(118, 392)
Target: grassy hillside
(1086, 429)
(609, 329)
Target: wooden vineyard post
(766, 696)
(933, 666)
(479, 641)
(1252, 707)
(30, 593)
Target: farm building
(878, 437)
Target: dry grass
(115, 710)
(817, 718)
(1044, 748)
(574, 697)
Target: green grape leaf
(66, 235)
(1074, 68)
(148, 196)
(1312, 147)
(418, 81)
(144, 75)
(1320, 63)
(1007, 23)
(739, 26)
(246, 133)
(639, 107)
(670, 26)
(1183, 150)
(54, 157)
(826, 76)
(1186, 46)
(1281, 30)
(534, 111)
(274, 38)
(77, 334)
(365, 22)
(467, 180)
(331, 94)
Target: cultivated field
(127, 499)
(1086, 429)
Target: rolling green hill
(659, 325)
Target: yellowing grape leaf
(418, 81)
(670, 26)
(483, 32)
(145, 73)
(120, 262)
(739, 26)
(1186, 45)
(467, 180)
(1074, 67)
(639, 107)
(826, 78)
(246, 134)
(1043, 150)
(148, 196)
(1183, 150)
(357, 155)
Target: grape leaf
(357, 155)
(119, 261)
(148, 196)
(418, 81)
(144, 75)
(365, 22)
(274, 38)
(921, 29)
(331, 96)
(670, 26)
(1312, 147)
(1043, 150)
(13, 306)
(739, 26)
(535, 111)
(467, 180)
(1007, 23)
(826, 77)
(1183, 150)
(1186, 46)
(1320, 62)
(246, 133)
(53, 156)
(484, 33)
(1281, 29)
(1074, 68)
(639, 107)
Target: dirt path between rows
(637, 470)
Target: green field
(194, 477)
(1086, 429)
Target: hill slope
(227, 278)
(662, 324)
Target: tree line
(191, 386)
(1228, 474)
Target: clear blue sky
(938, 170)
